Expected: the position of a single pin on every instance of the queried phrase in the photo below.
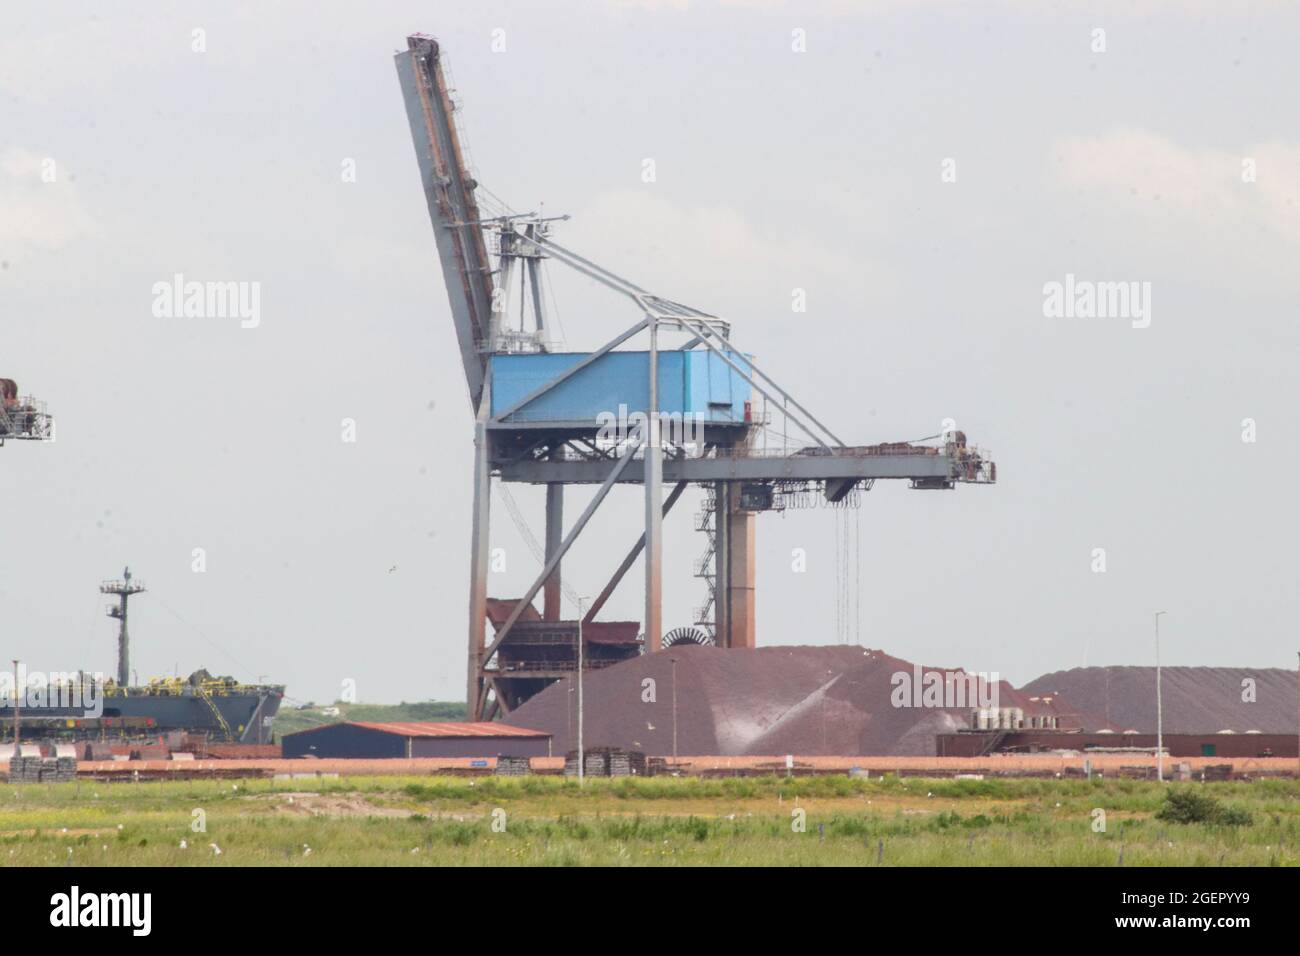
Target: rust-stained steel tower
(123, 589)
(681, 412)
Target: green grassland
(657, 821)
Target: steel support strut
(628, 561)
(567, 543)
(653, 506)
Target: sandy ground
(310, 804)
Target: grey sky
(776, 170)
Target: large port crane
(544, 417)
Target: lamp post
(18, 707)
(1160, 723)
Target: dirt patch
(309, 804)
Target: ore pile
(1196, 700)
(765, 701)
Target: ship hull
(245, 717)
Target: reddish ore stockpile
(764, 701)
(1195, 700)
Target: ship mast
(123, 589)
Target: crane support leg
(721, 563)
(654, 503)
(740, 577)
(479, 545)
(554, 536)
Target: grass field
(657, 821)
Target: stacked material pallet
(65, 760)
(626, 763)
(29, 767)
(514, 767)
(595, 764)
(606, 762)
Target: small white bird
(216, 850)
(306, 850)
(184, 845)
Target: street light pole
(18, 707)
(1160, 723)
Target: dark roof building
(362, 739)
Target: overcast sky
(1171, 158)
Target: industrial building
(361, 739)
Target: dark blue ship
(222, 708)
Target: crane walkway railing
(25, 419)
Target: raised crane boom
(449, 190)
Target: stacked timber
(514, 767)
(606, 762)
